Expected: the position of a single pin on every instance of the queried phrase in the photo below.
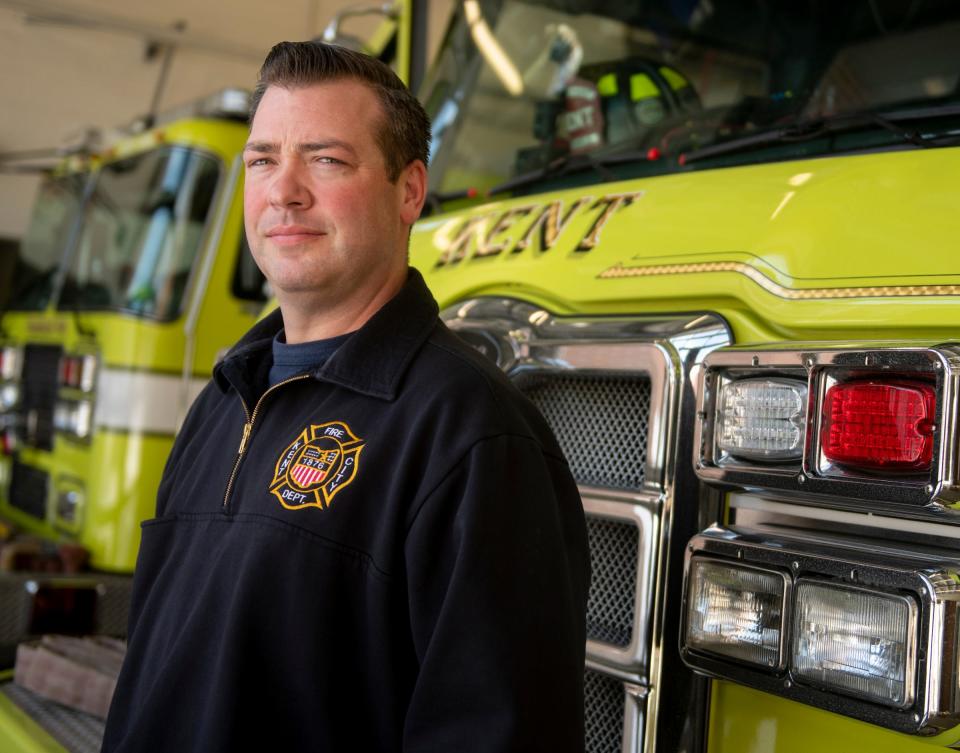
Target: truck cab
(715, 244)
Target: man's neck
(310, 317)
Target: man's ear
(413, 191)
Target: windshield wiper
(435, 200)
(565, 165)
(568, 165)
(815, 128)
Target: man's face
(322, 218)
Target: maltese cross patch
(316, 466)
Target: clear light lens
(73, 417)
(855, 641)
(735, 611)
(9, 362)
(81, 419)
(762, 419)
(88, 372)
(9, 394)
(68, 504)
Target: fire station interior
(712, 241)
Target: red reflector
(879, 425)
(70, 371)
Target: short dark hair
(404, 134)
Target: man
(395, 557)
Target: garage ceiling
(69, 66)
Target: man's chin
(301, 286)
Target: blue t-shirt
(290, 360)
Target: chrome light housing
(866, 632)
(897, 483)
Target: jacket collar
(371, 362)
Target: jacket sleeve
(498, 572)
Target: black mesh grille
(614, 547)
(603, 713)
(600, 422)
(113, 605)
(74, 730)
(15, 612)
(40, 379)
(28, 490)
(18, 620)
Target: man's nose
(289, 188)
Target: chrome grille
(603, 713)
(600, 421)
(609, 387)
(614, 547)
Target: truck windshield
(628, 89)
(41, 251)
(141, 232)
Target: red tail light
(68, 371)
(879, 425)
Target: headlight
(736, 612)
(9, 394)
(855, 641)
(73, 417)
(829, 622)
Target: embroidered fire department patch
(316, 466)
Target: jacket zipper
(248, 431)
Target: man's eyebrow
(320, 146)
(268, 147)
(263, 147)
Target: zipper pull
(247, 427)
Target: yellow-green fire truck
(718, 244)
(132, 277)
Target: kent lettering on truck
(715, 243)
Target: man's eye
(329, 161)
(258, 162)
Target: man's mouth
(290, 235)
